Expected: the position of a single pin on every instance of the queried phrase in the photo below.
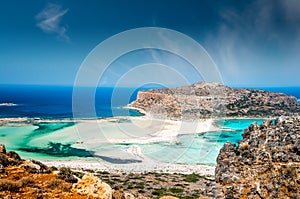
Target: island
(214, 100)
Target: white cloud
(49, 20)
(260, 40)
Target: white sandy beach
(204, 170)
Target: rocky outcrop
(92, 187)
(265, 164)
(214, 100)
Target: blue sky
(253, 43)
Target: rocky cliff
(265, 164)
(214, 100)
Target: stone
(92, 187)
(2, 148)
(265, 164)
(169, 197)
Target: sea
(55, 103)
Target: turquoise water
(198, 149)
(32, 142)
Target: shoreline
(161, 131)
(25, 121)
(158, 167)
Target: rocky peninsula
(214, 100)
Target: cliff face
(207, 100)
(265, 164)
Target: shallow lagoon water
(59, 141)
(199, 149)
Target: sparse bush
(191, 178)
(9, 185)
(13, 155)
(67, 175)
(103, 172)
(176, 190)
(43, 168)
(3, 160)
(140, 185)
(27, 182)
(60, 185)
(159, 192)
(89, 170)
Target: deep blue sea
(56, 101)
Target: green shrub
(67, 175)
(159, 192)
(192, 178)
(176, 190)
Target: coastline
(204, 170)
(25, 121)
(167, 131)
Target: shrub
(159, 192)
(27, 182)
(191, 178)
(13, 155)
(3, 160)
(43, 168)
(9, 185)
(176, 190)
(66, 174)
(59, 184)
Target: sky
(252, 43)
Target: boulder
(92, 187)
(2, 148)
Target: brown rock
(169, 197)
(93, 187)
(265, 164)
(2, 148)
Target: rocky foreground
(214, 100)
(265, 164)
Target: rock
(14, 155)
(2, 148)
(2, 168)
(265, 164)
(92, 187)
(4, 160)
(30, 167)
(34, 166)
(118, 194)
(169, 197)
